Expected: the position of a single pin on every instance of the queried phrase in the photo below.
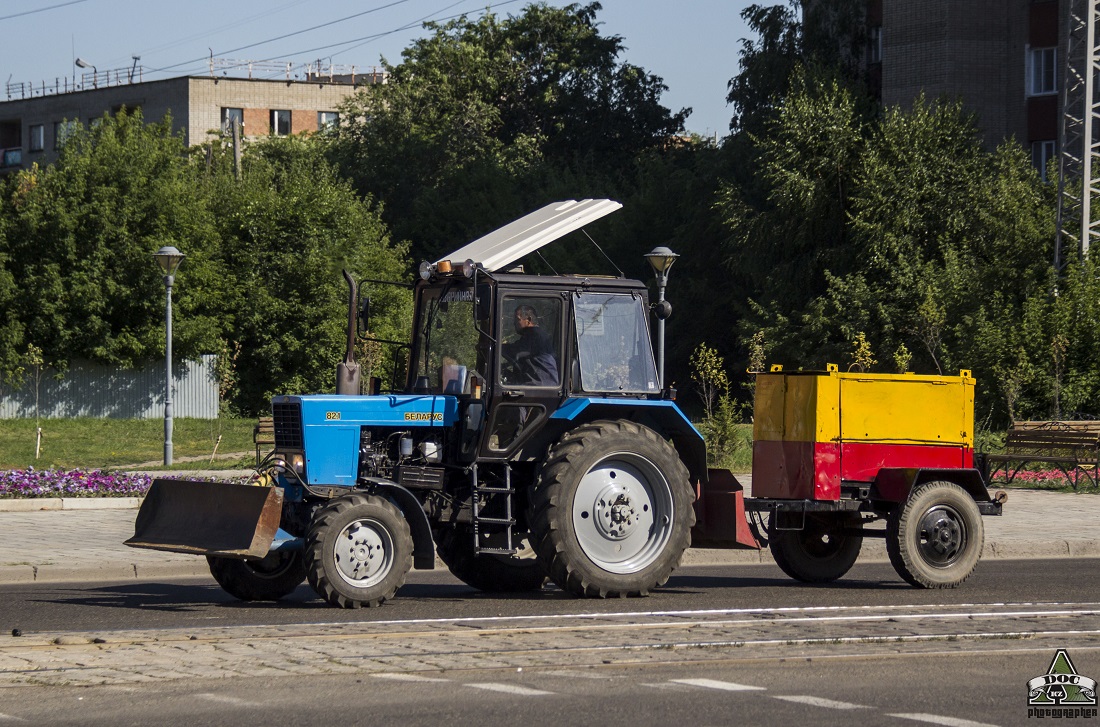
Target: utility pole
(1079, 152)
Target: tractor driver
(530, 359)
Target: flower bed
(72, 483)
(1039, 479)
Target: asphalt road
(718, 645)
(958, 690)
(183, 603)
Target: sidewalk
(73, 539)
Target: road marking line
(403, 677)
(714, 684)
(510, 689)
(226, 699)
(939, 719)
(818, 701)
(10, 718)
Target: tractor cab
(515, 349)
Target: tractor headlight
(298, 463)
(426, 270)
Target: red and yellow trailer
(834, 453)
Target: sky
(692, 44)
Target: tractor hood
(501, 248)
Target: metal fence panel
(94, 390)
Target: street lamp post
(661, 260)
(81, 63)
(169, 259)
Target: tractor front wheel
(267, 579)
(358, 551)
(822, 551)
(935, 538)
(611, 513)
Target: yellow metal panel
(907, 409)
(828, 408)
(767, 414)
(800, 408)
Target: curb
(34, 504)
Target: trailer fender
(895, 484)
(410, 507)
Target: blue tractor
(530, 439)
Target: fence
(93, 390)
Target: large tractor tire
(358, 551)
(490, 572)
(822, 551)
(275, 575)
(611, 513)
(935, 538)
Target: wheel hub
(942, 535)
(615, 515)
(622, 513)
(361, 553)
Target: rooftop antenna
(134, 67)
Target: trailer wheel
(611, 512)
(935, 538)
(486, 571)
(822, 551)
(358, 551)
(268, 579)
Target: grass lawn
(109, 443)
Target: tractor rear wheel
(358, 551)
(822, 551)
(268, 579)
(935, 538)
(489, 572)
(611, 513)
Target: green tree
(482, 115)
(288, 228)
(79, 235)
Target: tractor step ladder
(507, 522)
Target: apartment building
(1002, 58)
(33, 128)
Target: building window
(62, 130)
(37, 137)
(1041, 154)
(280, 122)
(1042, 74)
(327, 119)
(229, 116)
(874, 44)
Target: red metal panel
(827, 461)
(783, 469)
(861, 461)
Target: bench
(1073, 447)
(263, 435)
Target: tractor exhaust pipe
(347, 371)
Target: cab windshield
(613, 344)
(446, 340)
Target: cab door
(528, 372)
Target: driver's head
(525, 318)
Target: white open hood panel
(503, 247)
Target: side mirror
(662, 310)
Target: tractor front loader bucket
(208, 518)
